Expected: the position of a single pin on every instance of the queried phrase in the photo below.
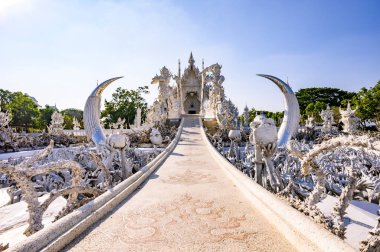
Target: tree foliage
(326, 95)
(368, 103)
(24, 111)
(124, 104)
(313, 100)
(5, 99)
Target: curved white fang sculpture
(91, 114)
(291, 118)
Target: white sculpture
(310, 122)
(349, 119)
(163, 84)
(290, 122)
(216, 90)
(56, 125)
(168, 98)
(91, 114)
(120, 142)
(7, 137)
(95, 132)
(195, 92)
(5, 119)
(155, 137)
(235, 136)
(119, 124)
(174, 105)
(137, 121)
(154, 115)
(76, 124)
(264, 138)
(246, 116)
(22, 174)
(226, 115)
(328, 120)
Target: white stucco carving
(310, 122)
(328, 120)
(56, 125)
(76, 124)
(194, 92)
(119, 124)
(137, 121)
(290, 122)
(264, 138)
(350, 121)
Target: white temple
(195, 92)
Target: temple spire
(179, 68)
(191, 59)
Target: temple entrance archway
(192, 104)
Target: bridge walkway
(188, 204)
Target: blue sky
(57, 50)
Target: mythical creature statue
(168, 97)
(155, 115)
(349, 119)
(163, 84)
(328, 120)
(227, 115)
(214, 92)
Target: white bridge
(192, 200)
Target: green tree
(276, 116)
(5, 99)
(326, 95)
(124, 104)
(24, 111)
(368, 103)
(310, 109)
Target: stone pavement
(188, 204)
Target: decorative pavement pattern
(189, 204)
